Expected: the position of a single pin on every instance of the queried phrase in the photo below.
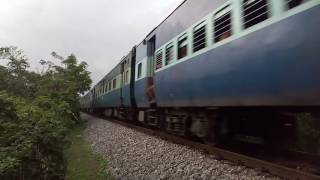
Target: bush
(36, 112)
(308, 133)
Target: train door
(92, 95)
(150, 91)
(122, 72)
(132, 77)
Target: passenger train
(218, 70)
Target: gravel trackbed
(134, 155)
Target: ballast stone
(134, 155)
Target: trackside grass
(82, 163)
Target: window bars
(222, 24)
(254, 12)
(182, 47)
(199, 37)
(169, 54)
(158, 60)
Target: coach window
(294, 3)
(114, 83)
(159, 60)
(199, 37)
(124, 80)
(127, 76)
(139, 70)
(169, 54)
(222, 24)
(109, 85)
(254, 12)
(182, 47)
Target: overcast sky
(99, 32)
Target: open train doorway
(151, 47)
(122, 81)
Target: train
(220, 70)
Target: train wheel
(201, 126)
(176, 122)
(222, 130)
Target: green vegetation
(308, 134)
(82, 164)
(36, 112)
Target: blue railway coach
(220, 69)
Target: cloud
(99, 32)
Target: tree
(4, 78)
(65, 83)
(22, 82)
(36, 111)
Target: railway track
(245, 160)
